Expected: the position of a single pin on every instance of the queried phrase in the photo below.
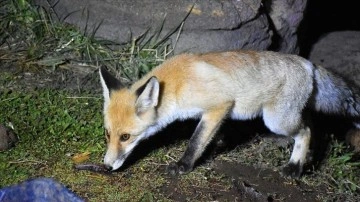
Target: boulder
(208, 25)
(352, 138)
(340, 52)
(286, 16)
(7, 138)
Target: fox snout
(113, 160)
(115, 157)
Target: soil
(69, 78)
(247, 184)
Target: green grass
(33, 39)
(51, 126)
(341, 169)
(54, 126)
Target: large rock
(7, 138)
(210, 26)
(340, 52)
(286, 16)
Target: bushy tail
(333, 95)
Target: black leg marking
(204, 133)
(186, 163)
(298, 156)
(292, 170)
(176, 168)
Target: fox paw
(293, 170)
(176, 168)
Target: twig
(83, 97)
(176, 40)
(27, 162)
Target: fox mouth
(117, 164)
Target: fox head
(128, 116)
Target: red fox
(214, 86)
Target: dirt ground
(247, 183)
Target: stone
(7, 138)
(250, 36)
(208, 25)
(352, 138)
(286, 16)
(39, 189)
(340, 52)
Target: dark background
(323, 16)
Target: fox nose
(108, 167)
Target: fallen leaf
(79, 158)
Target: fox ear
(148, 95)
(108, 82)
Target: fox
(215, 86)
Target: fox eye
(107, 135)
(124, 137)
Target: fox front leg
(204, 133)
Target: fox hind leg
(289, 122)
(295, 165)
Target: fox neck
(164, 119)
